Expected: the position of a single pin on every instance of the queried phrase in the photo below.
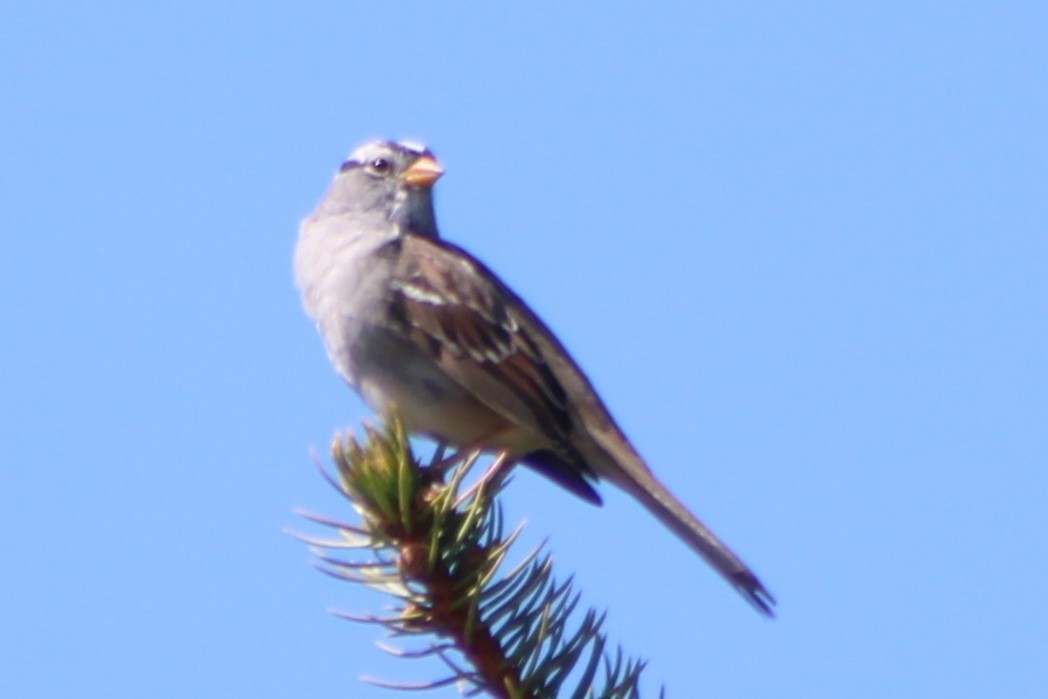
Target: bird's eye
(379, 165)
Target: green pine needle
(439, 550)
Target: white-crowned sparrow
(412, 321)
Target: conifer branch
(438, 548)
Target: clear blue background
(801, 250)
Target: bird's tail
(658, 500)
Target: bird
(415, 323)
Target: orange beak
(424, 172)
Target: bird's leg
(498, 471)
(482, 443)
(441, 464)
(438, 454)
(492, 478)
(433, 472)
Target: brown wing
(452, 306)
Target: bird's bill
(424, 172)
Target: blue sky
(801, 251)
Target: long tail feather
(658, 500)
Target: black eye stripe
(382, 160)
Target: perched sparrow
(412, 321)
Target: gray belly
(389, 371)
